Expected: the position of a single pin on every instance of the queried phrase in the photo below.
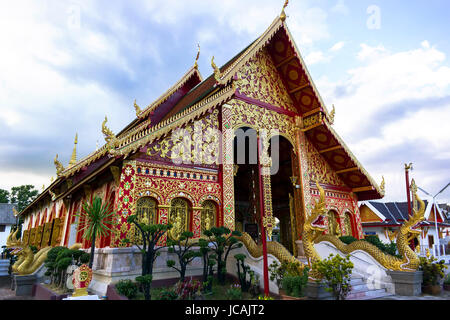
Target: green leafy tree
(336, 272)
(23, 196)
(96, 219)
(183, 249)
(150, 236)
(4, 196)
(222, 242)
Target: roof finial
(109, 135)
(217, 74)
(137, 108)
(58, 165)
(198, 56)
(283, 14)
(73, 159)
(382, 185)
(332, 113)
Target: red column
(263, 230)
(408, 198)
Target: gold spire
(217, 74)
(58, 165)
(137, 108)
(283, 14)
(198, 56)
(73, 159)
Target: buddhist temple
(187, 158)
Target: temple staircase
(4, 266)
(360, 290)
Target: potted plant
(433, 272)
(447, 282)
(290, 278)
(336, 272)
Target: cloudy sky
(65, 64)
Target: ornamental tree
(150, 235)
(183, 249)
(222, 242)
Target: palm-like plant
(96, 217)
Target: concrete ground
(7, 294)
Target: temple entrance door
(283, 193)
(246, 182)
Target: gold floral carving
(319, 168)
(245, 114)
(259, 79)
(195, 143)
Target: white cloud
(338, 46)
(340, 7)
(404, 98)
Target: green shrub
(433, 270)
(347, 239)
(168, 294)
(294, 284)
(234, 293)
(336, 272)
(127, 288)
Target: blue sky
(65, 64)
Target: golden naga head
(317, 218)
(413, 224)
(12, 241)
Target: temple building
(186, 158)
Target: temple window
(209, 214)
(146, 210)
(179, 217)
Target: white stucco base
(114, 264)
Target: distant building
(7, 219)
(385, 218)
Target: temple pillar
(227, 167)
(303, 192)
(197, 221)
(163, 218)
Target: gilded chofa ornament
(58, 165)
(283, 14)
(137, 108)
(382, 185)
(111, 140)
(196, 58)
(217, 73)
(332, 113)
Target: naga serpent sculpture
(315, 225)
(28, 262)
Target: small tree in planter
(336, 272)
(150, 235)
(209, 261)
(182, 249)
(433, 272)
(242, 275)
(223, 241)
